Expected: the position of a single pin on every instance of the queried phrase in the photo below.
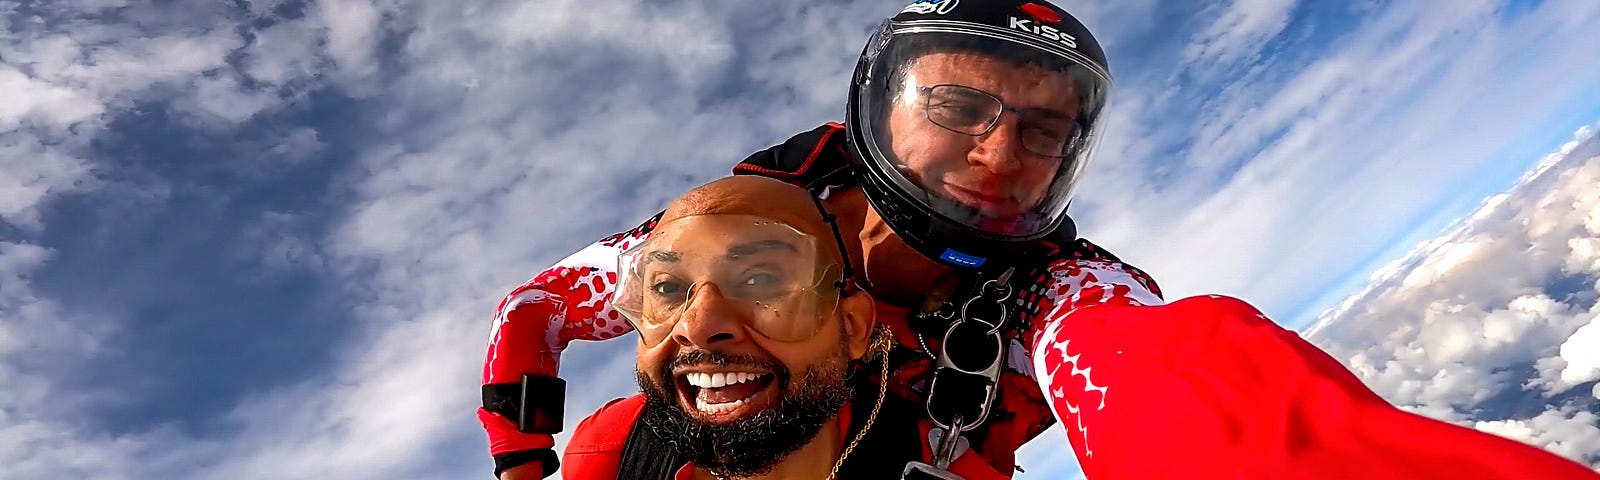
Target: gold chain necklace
(882, 341)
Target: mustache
(693, 358)
(667, 387)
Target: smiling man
(747, 332)
(975, 165)
(748, 329)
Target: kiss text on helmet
(1045, 31)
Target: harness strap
(646, 456)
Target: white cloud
(1491, 316)
(31, 172)
(285, 53)
(353, 29)
(1569, 433)
(220, 102)
(1581, 354)
(32, 101)
(1239, 29)
(296, 145)
(17, 261)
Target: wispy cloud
(1238, 29)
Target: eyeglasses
(974, 112)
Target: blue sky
(267, 237)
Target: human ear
(859, 315)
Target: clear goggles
(777, 280)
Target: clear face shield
(777, 280)
(989, 130)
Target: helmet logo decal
(958, 258)
(1038, 16)
(924, 7)
(1041, 13)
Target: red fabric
(537, 320)
(1208, 387)
(595, 450)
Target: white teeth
(717, 407)
(720, 379)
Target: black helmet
(940, 77)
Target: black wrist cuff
(547, 459)
(535, 403)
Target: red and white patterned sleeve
(535, 322)
(1209, 387)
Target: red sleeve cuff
(504, 437)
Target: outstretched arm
(1208, 387)
(534, 323)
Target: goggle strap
(838, 239)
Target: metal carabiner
(997, 290)
(944, 451)
(994, 326)
(966, 362)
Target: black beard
(748, 446)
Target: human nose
(708, 318)
(997, 149)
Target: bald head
(759, 196)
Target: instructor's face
(991, 172)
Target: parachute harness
(966, 375)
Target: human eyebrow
(759, 246)
(1048, 114)
(962, 96)
(663, 256)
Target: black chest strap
(646, 456)
(894, 440)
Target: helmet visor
(987, 127)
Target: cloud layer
(1495, 323)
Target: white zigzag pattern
(1059, 393)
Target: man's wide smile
(723, 395)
